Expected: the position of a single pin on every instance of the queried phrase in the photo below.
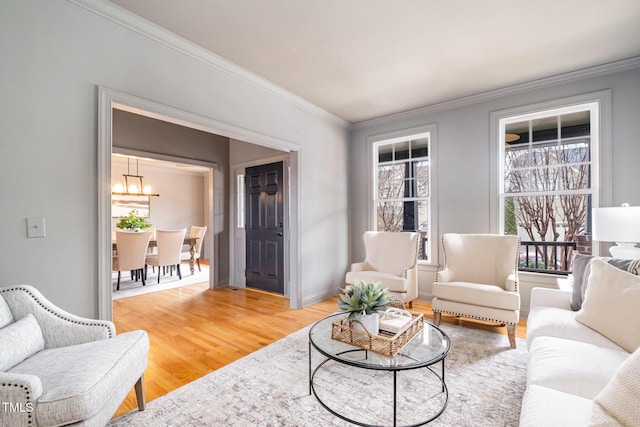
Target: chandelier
(133, 185)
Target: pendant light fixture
(133, 185)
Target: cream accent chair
(131, 251)
(197, 232)
(60, 369)
(169, 248)
(480, 279)
(391, 258)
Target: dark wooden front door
(264, 227)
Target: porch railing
(546, 257)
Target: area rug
(131, 288)
(270, 387)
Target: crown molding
(598, 70)
(123, 17)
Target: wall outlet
(35, 227)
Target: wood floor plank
(194, 330)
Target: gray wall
(141, 133)
(463, 159)
(55, 54)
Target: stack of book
(394, 320)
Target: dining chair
(197, 232)
(169, 249)
(131, 250)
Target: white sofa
(572, 369)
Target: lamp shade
(616, 224)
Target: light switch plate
(35, 227)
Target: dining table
(191, 241)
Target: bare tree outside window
(547, 186)
(402, 193)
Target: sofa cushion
(77, 380)
(544, 407)
(581, 270)
(477, 294)
(561, 323)
(611, 303)
(619, 402)
(5, 313)
(19, 340)
(571, 366)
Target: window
(548, 162)
(401, 187)
(240, 201)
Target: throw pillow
(611, 304)
(19, 340)
(580, 263)
(617, 403)
(582, 267)
(5, 313)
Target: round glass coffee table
(428, 347)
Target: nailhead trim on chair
(35, 298)
(415, 260)
(517, 281)
(27, 397)
(474, 317)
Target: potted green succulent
(133, 221)
(363, 301)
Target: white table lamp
(620, 225)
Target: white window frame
(429, 132)
(599, 105)
(240, 200)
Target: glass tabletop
(428, 347)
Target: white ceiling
(362, 59)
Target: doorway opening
(178, 197)
(110, 100)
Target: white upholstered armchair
(60, 369)
(480, 279)
(391, 259)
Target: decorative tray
(385, 343)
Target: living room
(59, 55)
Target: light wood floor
(194, 330)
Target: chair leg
(436, 318)
(198, 261)
(118, 287)
(178, 269)
(159, 273)
(511, 331)
(141, 273)
(142, 403)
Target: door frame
(109, 99)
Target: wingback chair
(391, 259)
(60, 369)
(480, 279)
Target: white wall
(55, 54)
(463, 158)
